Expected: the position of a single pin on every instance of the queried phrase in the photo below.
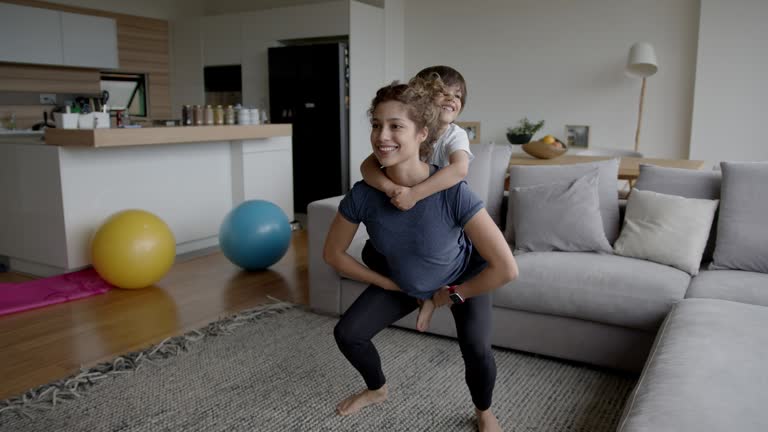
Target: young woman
(450, 148)
(446, 248)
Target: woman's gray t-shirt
(425, 247)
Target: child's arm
(372, 175)
(442, 180)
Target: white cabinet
(30, 35)
(45, 36)
(89, 41)
(263, 169)
(268, 173)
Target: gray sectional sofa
(607, 310)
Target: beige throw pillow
(666, 229)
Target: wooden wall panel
(48, 79)
(142, 45)
(26, 115)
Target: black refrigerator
(308, 88)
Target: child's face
(450, 104)
(395, 137)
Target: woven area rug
(277, 368)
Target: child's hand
(441, 297)
(394, 191)
(405, 199)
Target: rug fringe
(47, 396)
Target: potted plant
(524, 131)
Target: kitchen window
(126, 91)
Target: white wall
(394, 40)
(563, 61)
(366, 75)
(263, 29)
(729, 112)
(243, 38)
(187, 86)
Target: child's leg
(426, 308)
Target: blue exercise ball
(255, 234)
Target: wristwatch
(454, 295)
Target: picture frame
(473, 130)
(577, 136)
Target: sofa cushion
(499, 166)
(562, 216)
(607, 289)
(528, 175)
(486, 176)
(686, 183)
(705, 373)
(733, 285)
(478, 174)
(666, 229)
(742, 240)
(679, 181)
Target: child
(450, 152)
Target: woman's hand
(441, 297)
(391, 286)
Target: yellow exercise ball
(133, 249)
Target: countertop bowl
(542, 150)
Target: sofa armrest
(324, 281)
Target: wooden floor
(42, 345)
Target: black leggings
(377, 308)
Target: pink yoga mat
(17, 297)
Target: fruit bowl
(540, 149)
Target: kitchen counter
(161, 135)
(58, 192)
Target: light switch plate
(47, 99)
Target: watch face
(456, 298)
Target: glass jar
(254, 120)
(209, 115)
(229, 115)
(243, 116)
(187, 114)
(199, 115)
(218, 115)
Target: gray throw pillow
(530, 175)
(742, 237)
(562, 216)
(686, 183)
(667, 229)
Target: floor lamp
(641, 63)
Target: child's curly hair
(419, 98)
(450, 76)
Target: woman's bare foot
(358, 401)
(425, 315)
(486, 421)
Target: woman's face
(395, 137)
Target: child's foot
(486, 421)
(425, 315)
(358, 401)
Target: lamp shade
(641, 62)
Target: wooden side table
(629, 167)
